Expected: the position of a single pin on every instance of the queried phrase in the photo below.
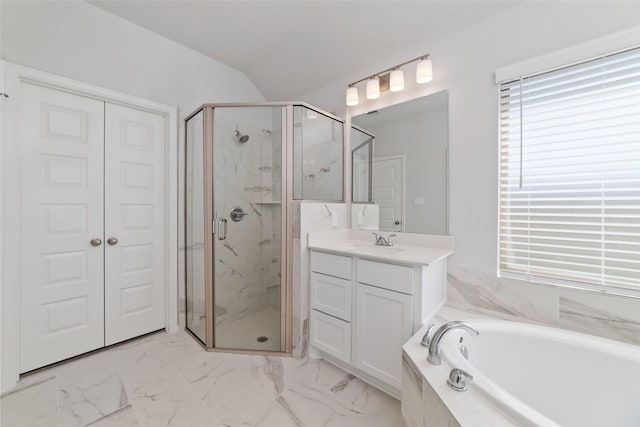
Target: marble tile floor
(168, 380)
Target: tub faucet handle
(426, 339)
(458, 379)
(434, 348)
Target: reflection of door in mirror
(417, 131)
(388, 191)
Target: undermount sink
(373, 248)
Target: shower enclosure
(245, 167)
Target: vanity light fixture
(390, 79)
(373, 87)
(396, 81)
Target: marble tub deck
(168, 380)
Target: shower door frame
(286, 236)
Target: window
(570, 174)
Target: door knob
(112, 241)
(96, 242)
(397, 222)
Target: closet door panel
(134, 215)
(61, 205)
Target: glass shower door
(195, 293)
(248, 217)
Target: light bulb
(373, 88)
(352, 96)
(396, 81)
(424, 71)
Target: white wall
(77, 40)
(464, 63)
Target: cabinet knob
(96, 242)
(112, 241)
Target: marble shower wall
(608, 316)
(318, 156)
(308, 217)
(247, 263)
(247, 175)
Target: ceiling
(290, 48)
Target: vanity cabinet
(383, 325)
(363, 310)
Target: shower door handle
(222, 222)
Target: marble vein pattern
(123, 417)
(435, 412)
(608, 316)
(365, 216)
(505, 296)
(89, 393)
(247, 264)
(168, 380)
(318, 155)
(308, 217)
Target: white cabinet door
(134, 215)
(61, 205)
(383, 325)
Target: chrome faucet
(458, 379)
(381, 241)
(434, 343)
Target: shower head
(241, 138)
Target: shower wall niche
(246, 164)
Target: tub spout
(434, 346)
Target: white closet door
(134, 212)
(61, 205)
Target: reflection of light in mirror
(352, 96)
(424, 71)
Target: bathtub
(543, 376)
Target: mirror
(361, 165)
(409, 173)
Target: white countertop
(408, 248)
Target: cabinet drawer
(388, 276)
(333, 265)
(331, 295)
(331, 335)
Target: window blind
(570, 173)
